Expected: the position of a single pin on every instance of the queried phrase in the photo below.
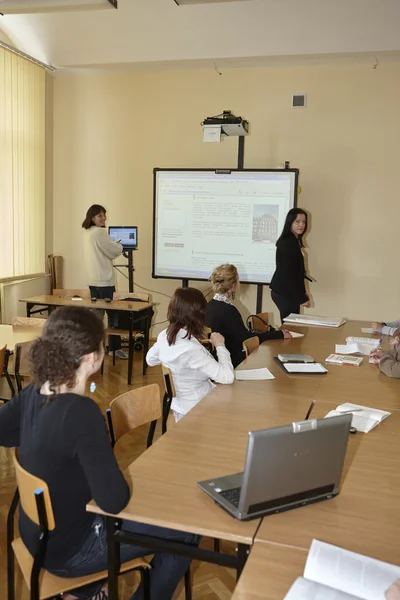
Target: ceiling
(159, 33)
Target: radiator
(12, 292)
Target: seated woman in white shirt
(178, 347)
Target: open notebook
(332, 573)
(364, 419)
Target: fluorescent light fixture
(20, 7)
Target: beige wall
(111, 130)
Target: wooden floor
(209, 582)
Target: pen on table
(345, 412)
(310, 410)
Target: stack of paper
(338, 359)
(357, 345)
(364, 418)
(253, 374)
(314, 320)
(304, 368)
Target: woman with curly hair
(63, 440)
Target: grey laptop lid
(294, 464)
(287, 467)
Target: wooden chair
(21, 363)
(84, 294)
(132, 409)
(27, 322)
(169, 393)
(260, 321)
(4, 358)
(33, 493)
(206, 340)
(250, 345)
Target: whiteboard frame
(222, 172)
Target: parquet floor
(209, 582)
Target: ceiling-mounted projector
(186, 2)
(20, 7)
(229, 124)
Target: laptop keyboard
(232, 496)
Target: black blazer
(226, 319)
(288, 279)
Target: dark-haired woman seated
(63, 440)
(178, 347)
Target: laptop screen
(127, 236)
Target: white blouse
(192, 367)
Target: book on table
(332, 573)
(340, 359)
(297, 319)
(364, 418)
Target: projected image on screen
(203, 219)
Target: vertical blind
(22, 166)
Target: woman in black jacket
(287, 284)
(224, 318)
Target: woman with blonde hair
(225, 318)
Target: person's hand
(393, 593)
(286, 334)
(376, 328)
(307, 304)
(377, 354)
(217, 339)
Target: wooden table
(137, 311)
(269, 572)
(211, 441)
(10, 335)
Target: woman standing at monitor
(99, 251)
(287, 284)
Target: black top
(65, 443)
(225, 319)
(289, 275)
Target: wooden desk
(269, 573)
(211, 441)
(365, 516)
(10, 336)
(137, 310)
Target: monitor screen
(127, 236)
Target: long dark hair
(69, 334)
(186, 310)
(290, 218)
(94, 210)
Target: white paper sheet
(367, 330)
(253, 374)
(305, 368)
(294, 334)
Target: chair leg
(114, 358)
(150, 435)
(166, 410)
(188, 585)
(145, 584)
(216, 545)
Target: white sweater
(192, 367)
(100, 250)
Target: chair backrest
(135, 408)
(2, 360)
(250, 345)
(206, 340)
(256, 322)
(21, 358)
(168, 382)
(28, 485)
(84, 294)
(27, 322)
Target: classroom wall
(110, 130)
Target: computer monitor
(127, 236)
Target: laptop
(285, 467)
(127, 236)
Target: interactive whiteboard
(204, 218)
